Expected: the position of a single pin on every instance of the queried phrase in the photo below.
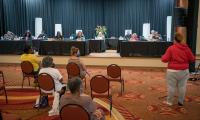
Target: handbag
(44, 102)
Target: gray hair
(74, 84)
(47, 62)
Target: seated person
(27, 35)
(79, 36)
(134, 37)
(42, 35)
(154, 36)
(9, 36)
(128, 35)
(75, 53)
(85, 101)
(47, 67)
(157, 36)
(100, 36)
(151, 36)
(28, 55)
(59, 36)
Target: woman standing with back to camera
(178, 56)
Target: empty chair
(100, 88)
(196, 75)
(27, 70)
(73, 112)
(2, 85)
(198, 72)
(114, 74)
(73, 70)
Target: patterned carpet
(22, 100)
(145, 89)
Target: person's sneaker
(167, 103)
(53, 113)
(180, 104)
(36, 106)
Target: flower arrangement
(101, 29)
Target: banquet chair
(73, 70)
(114, 75)
(2, 85)
(45, 83)
(196, 75)
(73, 112)
(27, 70)
(100, 88)
(4, 115)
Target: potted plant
(101, 29)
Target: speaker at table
(58, 27)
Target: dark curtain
(131, 14)
(78, 14)
(159, 10)
(192, 24)
(20, 15)
(15, 16)
(117, 15)
(42, 9)
(2, 31)
(126, 14)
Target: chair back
(73, 70)
(27, 67)
(1, 75)
(2, 86)
(198, 68)
(114, 71)
(99, 84)
(73, 112)
(46, 82)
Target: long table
(143, 48)
(111, 43)
(125, 48)
(97, 45)
(16, 47)
(62, 47)
(102, 45)
(44, 47)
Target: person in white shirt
(48, 67)
(100, 36)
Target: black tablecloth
(111, 43)
(44, 47)
(118, 45)
(16, 47)
(62, 47)
(146, 49)
(97, 46)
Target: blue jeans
(177, 80)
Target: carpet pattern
(145, 89)
(24, 99)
